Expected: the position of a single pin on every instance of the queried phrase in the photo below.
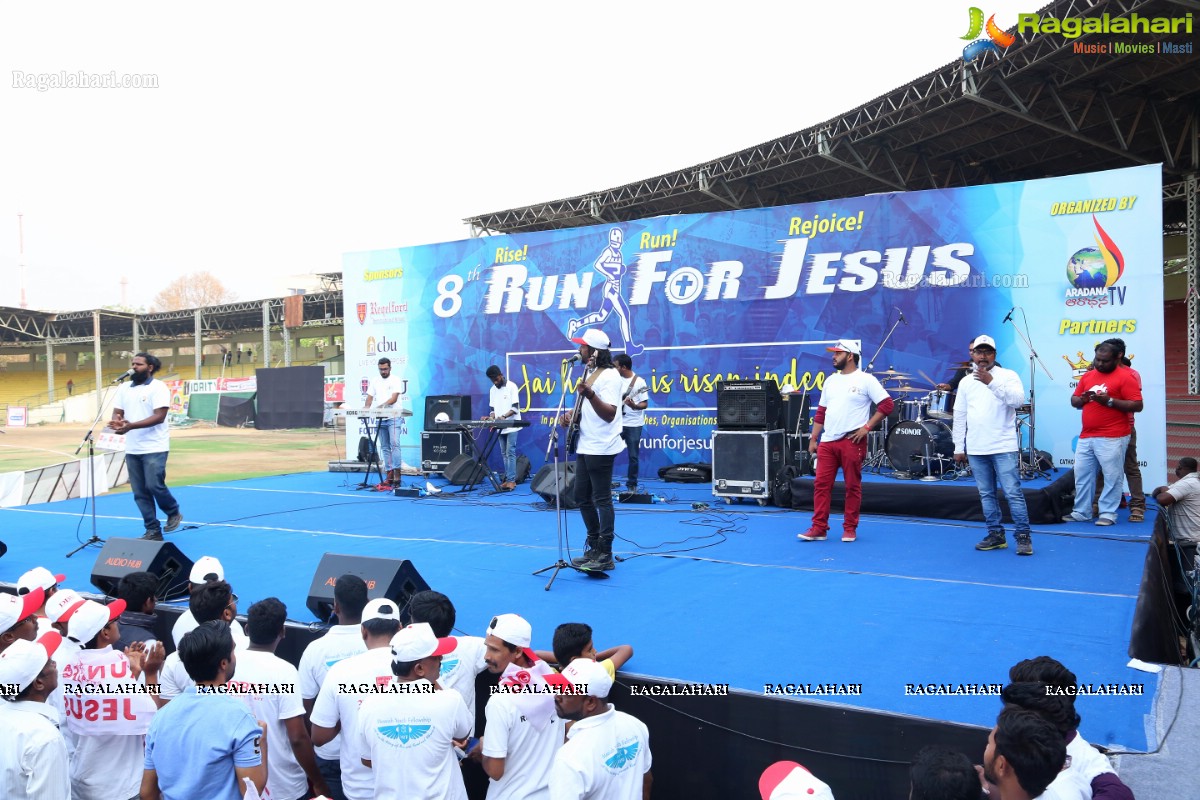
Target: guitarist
(633, 417)
(599, 422)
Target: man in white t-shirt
(523, 733)
(339, 642)
(214, 600)
(33, 755)
(269, 687)
(461, 665)
(607, 754)
(840, 426)
(347, 685)
(140, 415)
(599, 425)
(407, 737)
(633, 414)
(1182, 498)
(985, 433)
(206, 568)
(385, 392)
(506, 405)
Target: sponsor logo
(997, 39)
(381, 346)
(390, 311)
(1093, 273)
(362, 313)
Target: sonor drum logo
(908, 431)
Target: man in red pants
(841, 425)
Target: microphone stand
(89, 441)
(553, 444)
(883, 344)
(1032, 468)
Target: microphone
(902, 319)
(572, 360)
(128, 374)
(1008, 316)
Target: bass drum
(907, 443)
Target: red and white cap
(38, 578)
(63, 604)
(418, 641)
(787, 780)
(91, 617)
(14, 608)
(846, 346)
(22, 661)
(594, 338)
(585, 675)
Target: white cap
(63, 604)
(594, 338)
(14, 608)
(983, 341)
(512, 629)
(585, 674)
(418, 641)
(846, 346)
(381, 608)
(206, 569)
(23, 660)
(787, 780)
(91, 617)
(38, 578)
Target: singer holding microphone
(140, 415)
(985, 433)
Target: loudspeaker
(462, 470)
(456, 406)
(393, 578)
(795, 414)
(748, 405)
(163, 560)
(745, 463)
(543, 484)
(523, 467)
(439, 448)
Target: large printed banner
(761, 293)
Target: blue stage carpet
(725, 595)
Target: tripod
(552, 445)
(89, 440)
(1030, 465)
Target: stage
(723, 595)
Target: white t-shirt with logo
(339, 643)
(847, 400)
(604, 758)
(597, 437)
(139, 402)
(504, 399)
(634, 389)
(407, 737)
(527, 752)
(383, 388)
(285, 776)
(461, 666)
(372, 668)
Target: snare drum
(912, 410)
(941, 405)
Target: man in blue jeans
(140, 415)
(985, 433)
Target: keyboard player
(384, 392)
(505, 403)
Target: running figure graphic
(611, 265)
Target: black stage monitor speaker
(796, 420)
(393, 578)
(119, 557)
(439, 448)
(463, 470)
(543, 484)
(456, 407)
(748, 405)
(747, 458)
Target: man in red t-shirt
(1107, 394)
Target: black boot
(589, 552)
(603, 559)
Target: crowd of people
(94, 709)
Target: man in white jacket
(985, 433)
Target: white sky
(285, 134)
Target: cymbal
(906, 389)
(957, 365)
(891, 374)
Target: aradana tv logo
(997, 38)
(1093, 270)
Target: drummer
(985, 433)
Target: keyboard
(483, 423)
(377, 413)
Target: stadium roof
(1038, 110)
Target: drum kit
(916, 439)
